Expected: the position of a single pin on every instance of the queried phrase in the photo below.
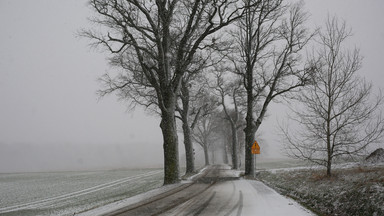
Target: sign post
(255, 150)
(254, 165)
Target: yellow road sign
(255, 148)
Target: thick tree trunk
(329, 166)
(249, 130)
(249, 139)
(235, 160)
(190, 161)
(170, 139)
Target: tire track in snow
(238, 206)
(51, 200)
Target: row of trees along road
(165, 51)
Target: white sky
(49, 110)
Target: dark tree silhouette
(154, 44)
(268, 39)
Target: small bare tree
(224, 136)
(204, 134)
(337, 116)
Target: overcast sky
(50, 115)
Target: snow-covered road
(219, 192)
(239, 197)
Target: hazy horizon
(52, 118)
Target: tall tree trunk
(170, 140)
(329, 148)
(249, 139)
(329, 166)
(235, 160)
(190, 161)
(206, 155)
(249, 130)
(228, 147)
(225, 154)
(328, 120)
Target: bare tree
(154, 43)
(223, 136)
(192, 92)
(204, 134)
(193, 106)
(338, 117)
(232, 90)
(269, 39)
(184, 117)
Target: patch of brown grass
(371, 174)
(322, 176)
(359, 170)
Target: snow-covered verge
(352, 190)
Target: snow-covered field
(354, 188)
(67, 193)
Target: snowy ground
(66, 193)
(223, 193)
(354, 189)
(101, 210)
(240, 197)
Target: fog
(51, 117)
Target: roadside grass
(350, 191)
(276, 163)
